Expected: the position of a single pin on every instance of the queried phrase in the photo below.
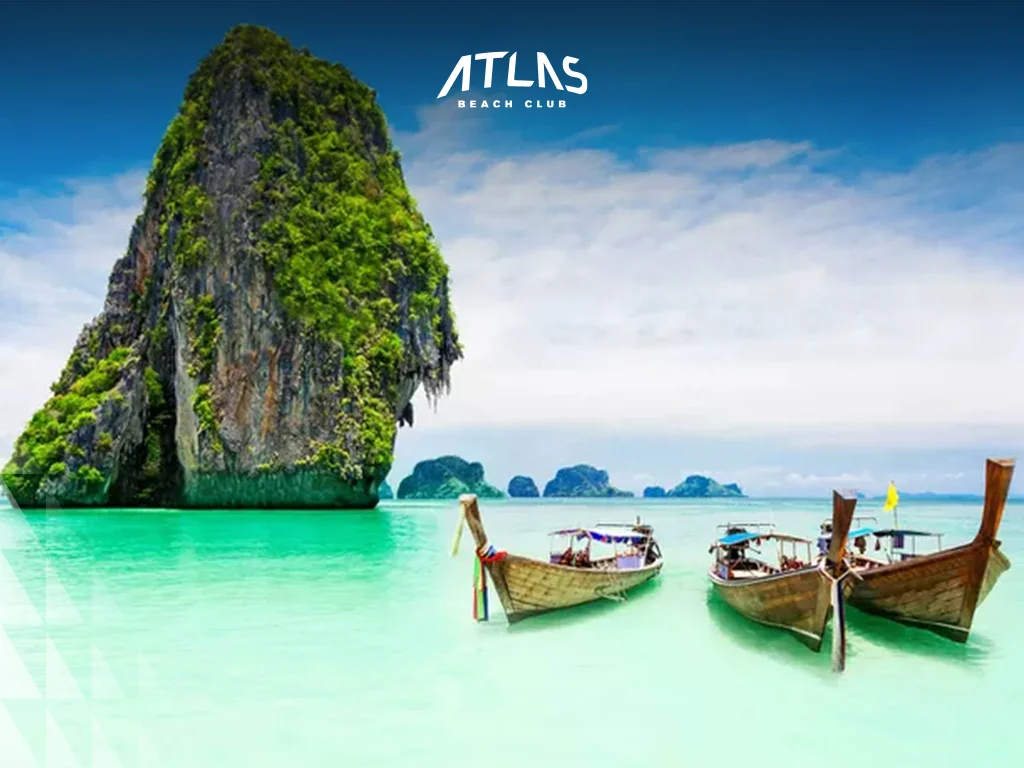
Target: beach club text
(508, 104)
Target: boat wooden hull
(939, 592)
(528, 587)
(797, 601)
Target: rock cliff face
(701, 487)
(654, 492)
(582, 481)
(447, 477)
(385, 492)
(280, 302)
(522, 487)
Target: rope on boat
(488, 554)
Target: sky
(776, 243)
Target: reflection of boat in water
(797, 591)
(575, 572)
(940, 590)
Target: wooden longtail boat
(942, 590)
(799, 595)
(527, 587)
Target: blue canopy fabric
(737, 538)
(861, 532)
(609, 537)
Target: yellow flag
(892, 498)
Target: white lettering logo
(545, 73)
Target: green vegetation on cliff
(47, 448)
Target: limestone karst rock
(280, 301)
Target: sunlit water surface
(307, 639)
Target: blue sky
(770, 242)
(91, 87)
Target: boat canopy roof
(900, 532)
(603, 534)
(739, 538)
(860, 532)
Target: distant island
(701, 487)
(582, 481)
(522, 487)
(446, 477)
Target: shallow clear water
(307, 639)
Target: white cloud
(737, 289)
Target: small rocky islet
(446, 477)
(582, 481)
(522, 487)
(280, 301)
(702, 487)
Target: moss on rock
(49, 443)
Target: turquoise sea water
(314, 639)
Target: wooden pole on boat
(998, 474)
(471, 513)
(843, 506)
